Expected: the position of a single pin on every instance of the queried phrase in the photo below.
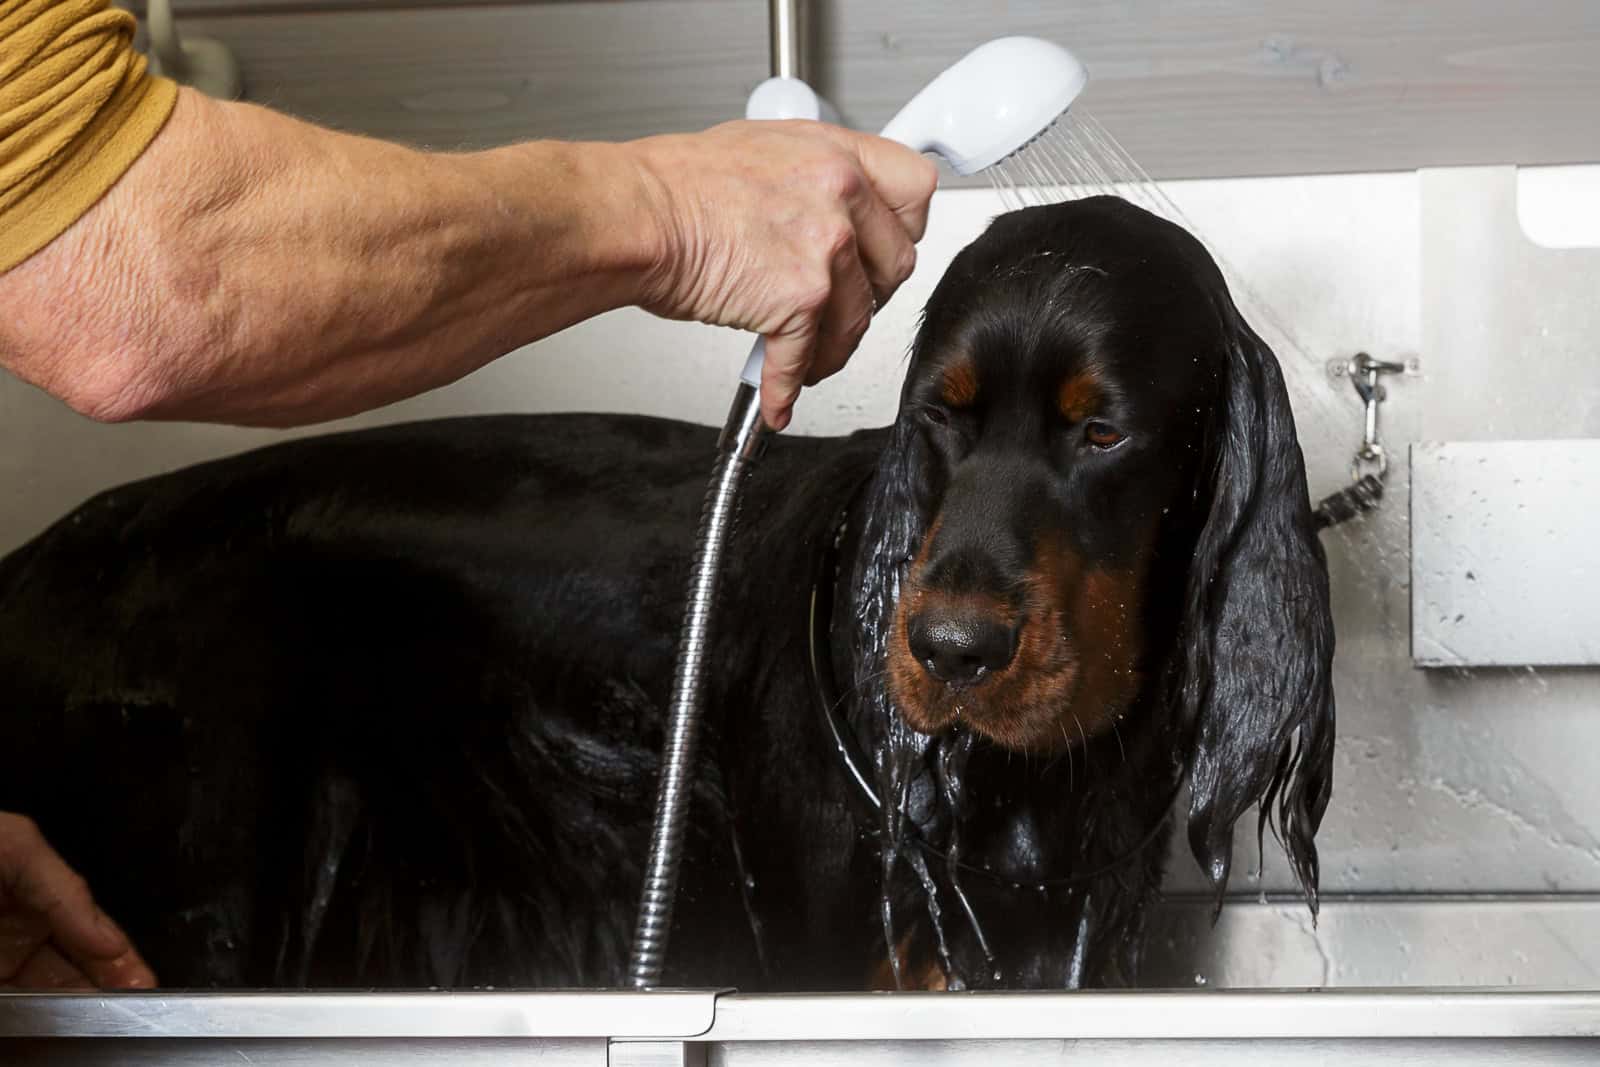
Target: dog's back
(374, 708)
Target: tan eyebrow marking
(959, 385)
(1079, 397)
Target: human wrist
(627, 216)
(601, 212)
(662, 216)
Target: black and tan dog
(383, 708)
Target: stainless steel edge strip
(706, 1016)
(1146, 1015)
(658, 1013)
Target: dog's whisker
(860, 684)
(1117, 733)
(1085, 737)
(1067, 741)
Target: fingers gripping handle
(780, 98)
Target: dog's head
(1111, 520)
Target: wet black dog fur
(383, 708)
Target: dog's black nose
(959, 649)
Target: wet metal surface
(1505, 553)
(1543, 942)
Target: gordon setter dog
(384, 708)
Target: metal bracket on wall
(1370, 465)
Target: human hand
(52, 934)
(793, 230)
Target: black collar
(830, 707)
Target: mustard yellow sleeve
(76, 108)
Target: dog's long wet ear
(1258, 688)
(894, 522)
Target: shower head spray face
(984, 108)
(990, 103)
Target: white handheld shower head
(990, 103)
(983, 108)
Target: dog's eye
(936, 415)
(1101, 434)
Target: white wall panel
(1196, 88)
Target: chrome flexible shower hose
(737, 449)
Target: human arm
(256, 269)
